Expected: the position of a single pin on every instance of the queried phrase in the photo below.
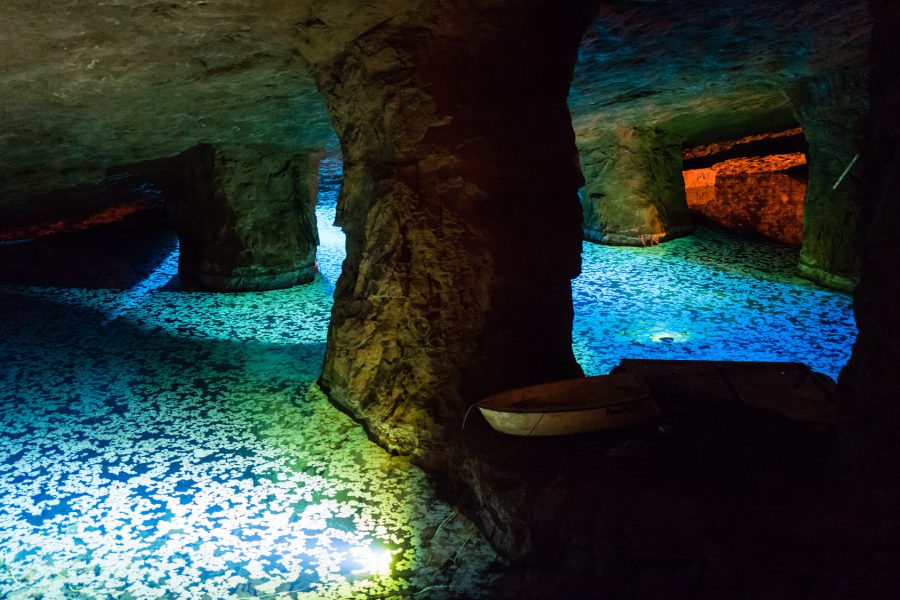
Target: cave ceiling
(89, 86)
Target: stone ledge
(834, 281)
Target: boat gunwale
(634, 390)
(561, 408)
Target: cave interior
(260, 260)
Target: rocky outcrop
(765, 203)
(830, 109)
(245, 217)
(634, 191)
(459, 204)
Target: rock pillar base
(245, 217)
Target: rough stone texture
(768, 204)
(871, 380)
(788, 142)
(634, 191)
(245, 217)
(459, 204)
(709, 70)
(87, 85)
(760, 195)
(830, 110)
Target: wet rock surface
(634, 191)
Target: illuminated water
(162, 444)
(706, 297)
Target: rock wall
(634, 191)
(871, 381)
(245, 217)
(459, 204)
(750, 201)
(830, 109)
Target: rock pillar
(459, 204)
(245, 217)
(634, 192)
(871, 381)
(830, 110)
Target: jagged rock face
(710, 70)
(831, 109)
(459, 204)
(87, 86)
(245, 217)
(634, 192)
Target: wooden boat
(570, 406)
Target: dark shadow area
(699, 504)
(112, 256)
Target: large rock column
(830, 109)
(245, 217)
(459, 204)
(871, 381)
(634, 192)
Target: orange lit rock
(758, 195)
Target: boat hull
(571, 422)
(571, 406)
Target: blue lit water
(162, 444)
(706, 297)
